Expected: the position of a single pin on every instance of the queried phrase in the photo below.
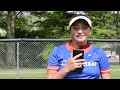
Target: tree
(10, 24)
(10, 48)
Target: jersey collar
(85, 48)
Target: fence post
(18, 60)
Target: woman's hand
(74, 63)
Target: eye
(84, 27)
(76, 28)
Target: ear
(90, 32)
(70, 33)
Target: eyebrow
(75, 25)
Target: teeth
(79, 37)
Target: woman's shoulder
(60, 46)
(96, 48)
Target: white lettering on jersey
(63, 63)
(89, 63)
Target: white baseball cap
(80, 17)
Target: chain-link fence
(27, 58)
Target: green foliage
(53, 24)
(103, 33)
(46, 51)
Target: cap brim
(80, 17)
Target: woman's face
(80, 31)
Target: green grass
(115, 66)
(115, 74)
(24, 73)
(30, 69)
(23, 76)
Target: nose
(80, 31)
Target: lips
(79, 37)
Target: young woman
(62, 64)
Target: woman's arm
(72, 64)
(54, 74)
(105, 76)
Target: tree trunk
(10, 24)
(10, 47)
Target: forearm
(106, 76)
(60, 74)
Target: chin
(79, 40)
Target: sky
(2, 32)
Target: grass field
(23, 76)
(40, 73)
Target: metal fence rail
(27, 58)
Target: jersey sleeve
(53, 60)
(104, 62)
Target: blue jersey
(95, 63)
